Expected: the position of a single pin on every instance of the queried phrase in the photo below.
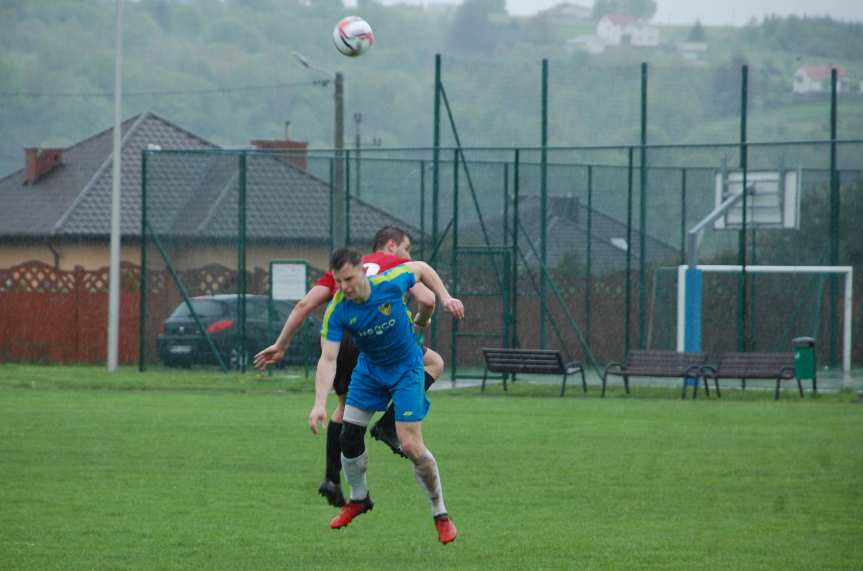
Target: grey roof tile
(192, 192)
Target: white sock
(355, 474)
(428, 477)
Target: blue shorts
(372, 386)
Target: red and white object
(353, 36)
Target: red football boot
(351, 510)
(446, 531)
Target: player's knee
(413, 449)
(433, 363)
(412, 444)
(353, 439)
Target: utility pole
(339, 207)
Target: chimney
(294, 151)
(39, 162)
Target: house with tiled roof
(57, 209)
(815, 78)
(622, 29)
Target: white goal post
(689, 303)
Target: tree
(639, 9)
(472, 29)
(696, 33)
(727, 84)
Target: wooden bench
(754, 365)
(656, 363)
(512, 361)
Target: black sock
(334, 451)
(388, 420)
(429, 380)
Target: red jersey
(374, 263)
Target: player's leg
(364, 396)
(355, 462)
(385, 428)
(411, 407)
(331, 488)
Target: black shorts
(345, 363)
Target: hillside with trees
(226, 70)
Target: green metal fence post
(436, 176)
(642, 215)
(241, 265)
(422, 210)
(834, 225)
(454, 333)
(628, 286)
(505, 204)
(142, 300)
(515, 230)
(589, 254)
(543, 204)
(741, 251)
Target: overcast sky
(710, 12)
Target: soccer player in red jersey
(391, 248)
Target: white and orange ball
(353, 36)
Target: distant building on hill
(815, 78)
(565, 11)
(623, 29)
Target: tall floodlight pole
(338, 196)
(114, 270)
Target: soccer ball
(353, 36)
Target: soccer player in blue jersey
(390, 367)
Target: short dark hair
(388, 233)
(344, 256)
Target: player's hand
(454, 306)
(269, 356)
(317, 418)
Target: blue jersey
(381, 326)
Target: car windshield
(203, 308)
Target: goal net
(701, 309)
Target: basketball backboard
(773, 199)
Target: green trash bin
(804, 357)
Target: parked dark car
(181, 344)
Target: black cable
(36, 94)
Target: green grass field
(204, 470)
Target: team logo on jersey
(352, 321)
(386, 308)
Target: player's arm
(426, 303)
(314, 298)
(324, 376)
(425, 273)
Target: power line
(36, 94)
